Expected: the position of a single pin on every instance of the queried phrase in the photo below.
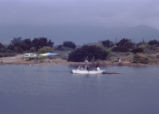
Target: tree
(16, 41)
(2, 47)
(60, 47)
(69, 44)
(138, 50)
(26, 44)
(154, 43)
(88, 52)
(107, 43)
(19, 46)
(124, 45)
(16, 45)
(38, 43)
(140, 59)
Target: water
(52, 89)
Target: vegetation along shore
(123, 52)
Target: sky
(20, 17)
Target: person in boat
(79, 67)
(87, 68)
(119, 60)
(82, 68)
(98, 68)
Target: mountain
(139, 33)
(79, 34)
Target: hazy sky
(103, 13)
(77, 12)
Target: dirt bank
(20, 60)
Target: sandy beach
(19, 59)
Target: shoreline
(19, 60)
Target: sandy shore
(20, 60)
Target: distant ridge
(139, 33)
(80, 34)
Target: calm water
(53, 89)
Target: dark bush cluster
(154, 43)
(120, 49)
(7, 54)
(108, 43)
(90, 53)
(124, 45)
(19, 46)
(138, 50)
(2, 48)
(69, 44)
(140, 59)
(60, 47)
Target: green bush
(91, 53)
(138, 50)
(20, 46)
(124, 45)
(7, 54)
(45, 49)
(69, 44)
(120, 49)
(140, 59)
(107, 43)
(154, 43)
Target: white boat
(85, 71)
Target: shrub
(120, 49)
(69, 44)
(60, 47)
(138, 50)
(19, 46)
(1, 46)
(63, 48)
(154, 42)
(45, 49)
(7, 54)
(26, 44)
(124, 45)
(38, 43)
(107, 43)
(16, 45)
(141, 43)
(140, 59)
(91, 53)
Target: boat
(85, 71)
(90, 72)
